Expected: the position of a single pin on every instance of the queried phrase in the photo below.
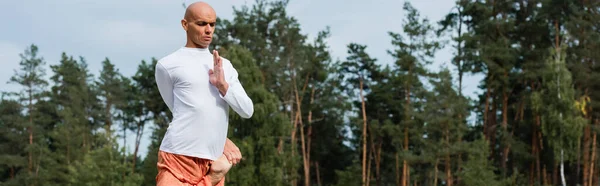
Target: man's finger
(216, 57)
(219, 62)
(229, 157)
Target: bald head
(199, 9)
(199, 24)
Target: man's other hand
(232, 152)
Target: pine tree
(112, 90)
(31, 78)
(75, 100)
(13, 136)
(477, 169)
(444, 129)
(412, 55)
(356, 71)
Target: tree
(77, 107)
(411, 57)
(112, 90)
(31, 77)
(13, 161)
(356, 71)
(445, 129)
(561, 122)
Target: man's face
(200, 26)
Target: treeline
(320, 121)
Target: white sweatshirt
(200, 112)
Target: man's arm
(235, 95)
(164, 84)
(225, 78)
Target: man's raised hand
(216, 75)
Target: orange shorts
(174, 169)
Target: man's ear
(184, 24)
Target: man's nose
(207, 29)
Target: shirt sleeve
(236, 96)
(165, 84)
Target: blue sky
(127, 32)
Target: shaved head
(199, 23)
(198, 8)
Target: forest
(353, 121)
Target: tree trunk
(364, 134)
(404, 165)
(68, 146)
(544, 176)
(595, 178)
(595, 170)
(562, 168)
(538, 145)
(448, 164)
(435, 175)
(531, 173)
(397, 169)
(486, 117)
(318, 174)
(138, 139)
(505, 127)
(298, 118)
(407, 111)
(304, 160)
(492, 125)
(593, 159)
(459, 169)
(408, 175)
(306, 148)
(108, 116)
(280, 146)
(293, 141)
(378, 163)
(586, 154)
(534, 152)
(460, 55)
(369, 160)
(30, 130)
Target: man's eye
(202, 23)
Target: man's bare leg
(218, 169)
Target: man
(198, 87)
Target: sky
(127, 32)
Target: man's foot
(218, 169)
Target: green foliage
(477, 169)
(563, 124)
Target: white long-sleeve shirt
(200, 112)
